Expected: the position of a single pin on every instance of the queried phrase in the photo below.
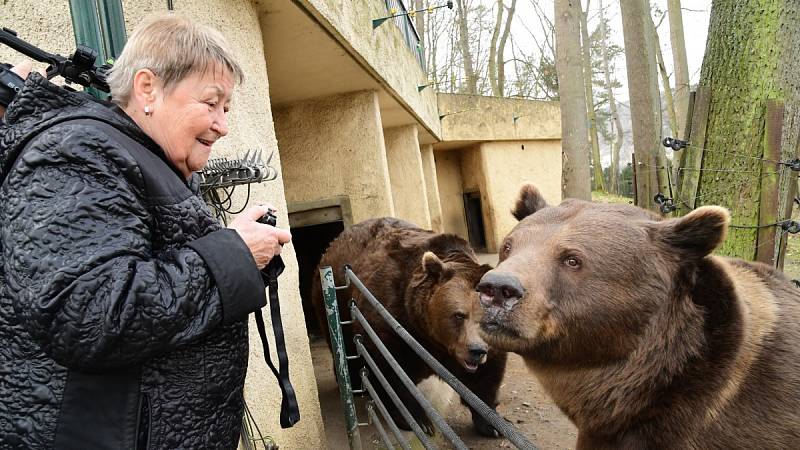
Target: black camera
(269, 218)
(78, 68)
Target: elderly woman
(123, 303)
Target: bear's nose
(500, 289)
(476, 352)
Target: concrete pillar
(333, 146)
(407, 175)
(432, 188)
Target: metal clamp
(674, 144)
(791, 226)
(665, 204)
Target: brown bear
(427, 282)
(642, 337)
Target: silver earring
(147, 111)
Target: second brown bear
(427, 282)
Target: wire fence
(761, 203)
(347, 393)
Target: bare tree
(612, 105)
(645, 100)
(542, 70)
(680, 66)
(463, 42)
(501, 63)
(574, 142)
(662, 70)
(474, 61)
(670, 104)
(587, 82)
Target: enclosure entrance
(474, 215)
(313, 227)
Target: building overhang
(309, 56)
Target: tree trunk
(466, 55)
(751, 55)
(681, 72)
(574, 143)
(501, 62)
(587, 85)
(612, 105)
(663, 162)
(492, 65)
(644, 97)
(680, 66)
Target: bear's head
(450, 311)
(577, 283)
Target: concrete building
(489, 147)
(353, 137)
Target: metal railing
(346, 391)
(408, 29)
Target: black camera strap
(290, 412)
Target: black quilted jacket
(122, 301)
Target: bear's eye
(506, 247)
(459, 317)
(572, 261)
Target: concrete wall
(407, 176)
(484, 137)
(509, 164)
(478, 118)
(48, 25)
(334, 146)
(382, 51)
(475, 177)
(432, 188)
(496, 170)
(448, 175)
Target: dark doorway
(474, 213)
(310, 242)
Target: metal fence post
(340, 357)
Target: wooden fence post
(633, 180)
(692, 157)
(677, 156)
(768, 203)
(787, 188)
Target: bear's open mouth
(471, 366)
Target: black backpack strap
(290, 412)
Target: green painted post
(101, 26)
(340, 357)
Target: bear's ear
(698, 233)
(529, 201)
(434, 267)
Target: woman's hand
(264, 241)
(23, 69)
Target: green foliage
(548, 76)
(625, 180)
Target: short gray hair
(173, 47)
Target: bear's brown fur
(427, 282)
(642, 338)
